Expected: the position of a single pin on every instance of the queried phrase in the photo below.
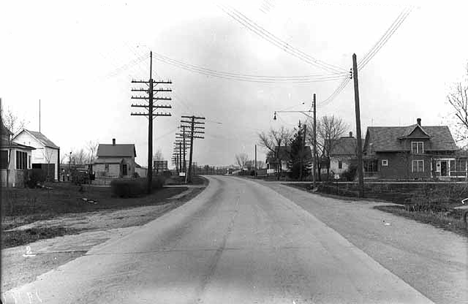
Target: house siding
(42, 155)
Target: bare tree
(92, 147)
(12, 125)
(242, 160)
(48, 154)
(329, 130)
(458, 98)
(79, 157)
(273, 140)
(158, 156)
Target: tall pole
(150, 127)
(358, 127)
(192, 129)
(302, 152)
(151, 115)
(180, 157)
(255, 159)
(315, 141)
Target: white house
(46, 155)
(114, 161)
(15, 160)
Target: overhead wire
(371, 53)
(286, 47)
(247, 77)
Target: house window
(384, 162)
(340, 164)
(370, 166)
(417, 147)
(124, 169)
(418, 166)
(4, 159)
(21, 160)
(106, 167)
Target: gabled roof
(13, 145)
(117, 150)
(41, 138)
(391, 139)
(344, 146)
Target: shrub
(350, 173)
(128, 187)
(135, 187)
(36, 176)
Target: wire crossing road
(237, 242)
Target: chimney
(113, 141)
(350, 134)
(419, 121)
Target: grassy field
(426, 203)
(21, 206)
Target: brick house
(46, 155)
(114, 161)
(412, 152)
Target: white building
(46, 155)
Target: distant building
(342, 154)
(114, 161)
(46, 155)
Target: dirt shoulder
(22, 264)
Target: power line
(286, 47)
(385, 37)
(247, 77)
(371, 53)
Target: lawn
(430, 203)
(21, 206)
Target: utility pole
(302, 152)
(150, 107)
(358, 127)
(194, 130)
(315, 141)
(256, 160)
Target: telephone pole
(195, 132)
(315, 141)
(358, 127)
(302, 151)
(150, 107)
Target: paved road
(237, 242)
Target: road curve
(237, 242)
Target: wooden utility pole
(358, 127)
(314, 178)
(256, 160)
(150, 107)
(302, 151)
(194, 131)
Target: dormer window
(417, 147)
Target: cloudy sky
(79, 60)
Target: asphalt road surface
(237, 242)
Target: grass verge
(436, 219)
(63, 200)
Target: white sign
(181, 173)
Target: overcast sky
(79, 60)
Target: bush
(36, 176)
(135, 187)
(350, 173)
